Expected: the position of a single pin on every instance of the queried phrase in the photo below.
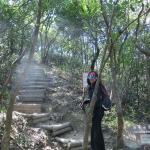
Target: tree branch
(144, 51)
(129, 25)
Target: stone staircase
(29, 105)
(31, 97)
(33, 90)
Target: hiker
(97, 140)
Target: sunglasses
(92, 76)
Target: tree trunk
(95, 58)
(6, 136)
(46, 50)
(96, 55)
(94, 98)
(10, 74)
(147, 77)
(120, 141)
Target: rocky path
(30, 104)
(49, 101)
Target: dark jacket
(100, 96)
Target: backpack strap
(104, 89)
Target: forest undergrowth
(63, 95)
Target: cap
(92, 75)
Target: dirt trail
(53, 94)
(61, 100)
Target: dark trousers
(97, 140)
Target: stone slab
(25, 96)
(36, 79)
(30, 100)
(35, 76)
(46, 118)
(35, 83)
(29, 111)
(34, 91)
(37, 116)
(34, 87)
(28, 108)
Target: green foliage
(88, 11)
(37, 56)
(6, 94)
(69, 11)
(66, 63)
(137, 113)
(2, 105)
(80, 23)
(21, 139)
(110, 117)
(130, 114)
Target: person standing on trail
(97, 140)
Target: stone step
(54, 127)
(44, 119)
(30, 99)
(28, 108)
(35, 83)
(35, 76)
(34, 87)
(38, 118)
(62, 131)
(33, 68)
(34, 91)
(35, 72)
(37, 80)
(31, 65)
(73, 144)
(34, 65)
(37, 95)
(25, 96)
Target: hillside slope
(61, 101)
